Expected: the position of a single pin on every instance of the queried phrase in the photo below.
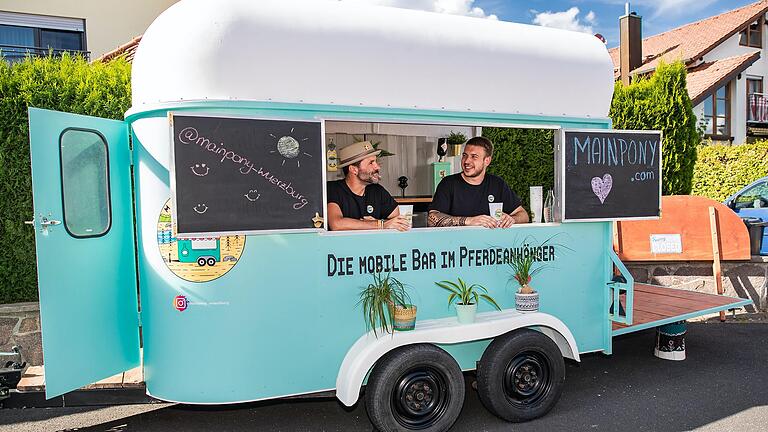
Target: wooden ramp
(33, 380)
(656, 305)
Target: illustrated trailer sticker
(197, 259)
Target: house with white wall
(727, 68)
(89, 27)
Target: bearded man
(462, 199)
(358, 201)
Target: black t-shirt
(376, 201)
(456, 197)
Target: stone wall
(20, 325)
(740, 279)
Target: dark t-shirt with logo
(376, 201)
(456, 197)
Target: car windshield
(754, 197)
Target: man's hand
(506, 221)
(482, 220)
(399, 223)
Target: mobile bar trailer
(222, 160)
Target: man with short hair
(358, 201)
(462, 199)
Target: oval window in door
(85, 183)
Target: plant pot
(466, 313)
(403, 318)
(527, 302)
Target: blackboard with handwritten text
(245, 175)
(611, 174)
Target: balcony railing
(14, 53)
(757, 108)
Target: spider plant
(376, 298)
(466, 294)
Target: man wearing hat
(358, 201)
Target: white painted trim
(368, 349)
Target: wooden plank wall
(689, 217)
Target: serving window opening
(416, 157)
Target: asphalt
(721, 386)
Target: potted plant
(466, 297)
(456, 140)
(526, 298)
(386, 305)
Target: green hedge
(661, 102)
(722, 170)
(68, 84)
(523, 158)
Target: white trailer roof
(341, 53)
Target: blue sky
(592, 16)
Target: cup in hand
(406, 211)
(496, 210)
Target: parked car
(752, 201)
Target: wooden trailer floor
(655, 305)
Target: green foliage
(456, 138)
(523, 158)
(376, 298)
(661, 102)
(69, 84)
(466, 294)
(722, 170)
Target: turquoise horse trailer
(232, 104)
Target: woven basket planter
(403, 319)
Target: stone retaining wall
(740, 279)
(20, 325)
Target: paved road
(722, 386)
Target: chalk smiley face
(200, 208)
(200, 170)
(252, 195)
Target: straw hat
(356, 152)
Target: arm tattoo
(438, 219)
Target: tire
(201, 261)
(406, 379)
(520, 375)
(211, 261)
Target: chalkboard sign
(611, 174)
(245, 175)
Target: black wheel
(417, 387)
(201, 261)
(520, 376)
(211, 261)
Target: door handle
(49, 222)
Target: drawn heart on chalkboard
(602, 186)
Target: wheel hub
(526, 379)
(420, 398)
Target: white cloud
(454, 7)
(667, 8)
(567, 20)
(677, 7)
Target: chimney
(630, 44)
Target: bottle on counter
(549, 207)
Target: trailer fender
(367, 350)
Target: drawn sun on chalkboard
(289, 148)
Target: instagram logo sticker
(180, 303)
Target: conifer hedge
(723, 170)
(523, 158)
(66, 83)
(661, 102)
